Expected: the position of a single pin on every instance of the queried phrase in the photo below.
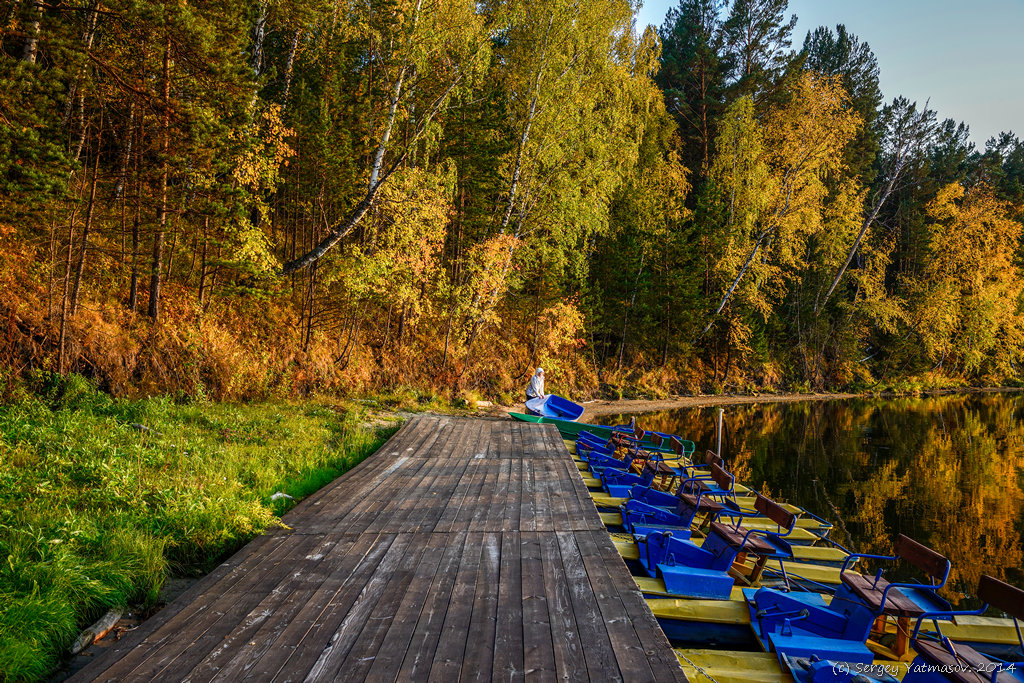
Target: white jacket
(535, 389)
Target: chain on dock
(696, 666)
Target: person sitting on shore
(535, 389)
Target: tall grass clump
(100, 499)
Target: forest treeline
(244, 197)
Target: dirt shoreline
(608, 407)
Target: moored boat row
(727, 570)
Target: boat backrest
(638, 433)
(922, 557)
(775, 512)
(721, 477)
(711, 458)
(1002, 596)
(658, 440)
(677, 446)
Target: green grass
(96, 512)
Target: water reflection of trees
(947, 471)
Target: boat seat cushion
(695, 582)
(896, 603)
(801, 644)
(704, 504)
(936, 654)
(734, 537)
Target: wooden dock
(462, 550)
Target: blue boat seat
(621, 482)
(640, 531)
(802, 645)
(689, 570)
(653, 496)
(636, 512)
(696, 496)
(904, 599)
(686, 569)
(696, 583)
(940, 659)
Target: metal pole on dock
(721, 414)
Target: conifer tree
(758, 37)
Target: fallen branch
(97, 631)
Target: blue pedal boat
(804, 624)
(938, 659)
(703, 572)
(554, 406)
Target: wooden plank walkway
(462, 550)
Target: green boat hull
(570, 430)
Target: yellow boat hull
(727, 666)
(798, 535)
(628, 549)
(735, 612)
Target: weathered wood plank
(513, 501)
(366, 636)
(388, 661)
(508, 638)
(538, 650)
(496, 510)
(565, 637)
(141, 640)
(184, 641)
(626, 646)
(322, 509)
(452, 644)
(652, 639)
(394, 572)
(593, 633)
(483, 625)
(237, 653)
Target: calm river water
(947, 471)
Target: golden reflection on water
(947, 471)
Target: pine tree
(692, 75)
(758, 38)
(842, 54)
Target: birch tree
(907, 132)
(771, 178)
(434, 49)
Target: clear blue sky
(968, 57)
